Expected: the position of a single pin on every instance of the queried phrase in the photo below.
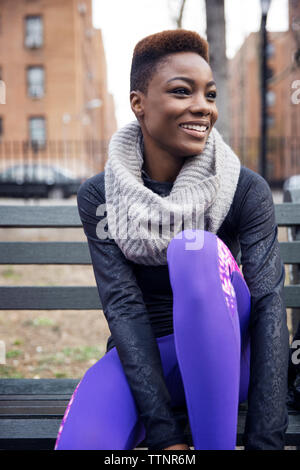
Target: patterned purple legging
(205, 361)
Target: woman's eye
(180, 91)
(212, 95)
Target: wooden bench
(31, 409)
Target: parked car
(38, 181)
(292, 184)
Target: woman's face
(179, 110)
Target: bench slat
(38, 387)
(78, 252)
(49, 298)
(40, 399)
(44, 253)
(25, 433)
(292, 296)
(28, 409)
(80, 297)
(39, 216)
(35, 428)
(290, 252)
(286, 214)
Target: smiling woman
(180, 97)
(180, 311)
(174, 108)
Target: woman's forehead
(183, 64)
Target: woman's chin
(192, 152)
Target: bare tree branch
(178, 16)
(179, 19)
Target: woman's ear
(137, 103)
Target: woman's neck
(161, 166)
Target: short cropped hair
(154, 49)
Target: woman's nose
(200, 105)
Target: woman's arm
(264, 273)
(128, 321)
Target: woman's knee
(192, 241)
(192, 252)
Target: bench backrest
(87, 297)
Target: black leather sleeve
(128, 321)
(263, 269)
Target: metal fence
(85, 158)
(283, 156)
(82, 158)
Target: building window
(33, 32)
(270, 50)
(271, 98)
(90, 75)
(269, 73)
(2, 92)
(35, 82)
(270, 120)
(37, 131)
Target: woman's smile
(199, 130)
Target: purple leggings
(205, 361)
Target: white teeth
(195, 127)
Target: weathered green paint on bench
(286, 214)
(78, 252)
(79, 297)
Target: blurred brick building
(283, 100)
(53, 64)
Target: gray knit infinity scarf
(142, 222)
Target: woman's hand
(178, 447)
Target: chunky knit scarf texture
(142, 222)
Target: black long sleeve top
(137, 303)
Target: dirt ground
(51, 343)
